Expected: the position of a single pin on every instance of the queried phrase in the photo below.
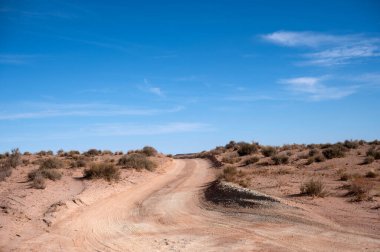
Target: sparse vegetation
(51, 174)
(5, 169)
(38, 182)
(231, 160)
(351, 144)
(229, 173)
(252, 160)
(137, 161)
(247, 149)
(149, 151)
(313, 188)
(368, 160)
(14, 158)
(371, 174)
(92, 152)
(280, 159)
(268, 151)
(51, 163)
(360, 190)
(334, 151)
(104, 170)
(372, 152)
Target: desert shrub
(27, 153)
(280, 159)
(51, 174)
(107, 152)
(372, 152)
(25, 161)
(5, 169)
(371, 174)
(73, 153)
(268, 151)
(368, 160)
(60, 152)
(313, 152)
(374, 142)
(169, 155)
(38, 182)
(92, 152)
(51, 163)
(310, 160)
(105, 171)
(252, 160)
(345, 177)
(231, 160)
(350, 144)
(229, 173)
(319, 158)
(149, 151)
(80, 162)
(230, 145)
(359, 189)
(137, 161)
(14, 158)
(335, 151)
(247, 149)
(313, 188)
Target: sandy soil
(166, 211)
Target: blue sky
(185, 76)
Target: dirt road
(167, 213)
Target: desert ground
(238, 197)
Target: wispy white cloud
(315, 89)
(147, 87)
(158, 129)
(308, 39)
(328, 49)
(45, 110)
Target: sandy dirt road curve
(167, 213)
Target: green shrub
(335, 151)
(105, 171)
(280, 159)
(149, 151)
(252, 160)
(247, 149)
(268, 151)
(137, 161)
(313, 188)
(51, 163)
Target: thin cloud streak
(327, 49)
(314, 88)
(87, 110)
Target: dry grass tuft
(137, 161)
(105, 171)
(313, 188)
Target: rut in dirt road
(168, 214)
